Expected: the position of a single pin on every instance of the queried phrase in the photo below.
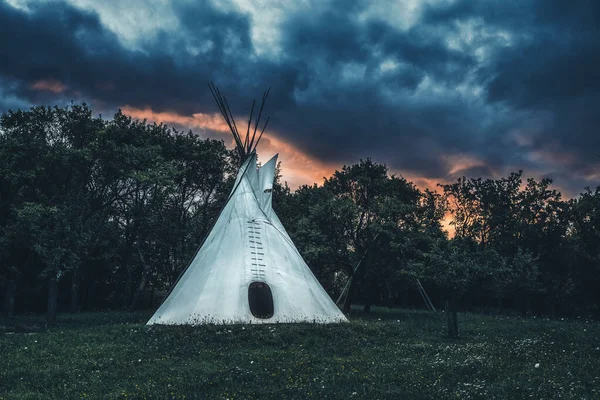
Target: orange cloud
(50, 85)
(461, 162)
(298, 168)
(212, 122)
(421, 182)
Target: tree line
(105, 214)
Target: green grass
(393, 354)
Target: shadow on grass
(22, 324)
(394, 314)
(36, 323)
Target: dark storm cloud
(338, 121)
(557, 60)
(57, 41)
(9, 98)
(346, 119)
(330, 95)
(49, 43)
(553, 67)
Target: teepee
(247, 270)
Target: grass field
(392, 354)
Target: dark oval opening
(260, 300)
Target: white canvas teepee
(248, 269)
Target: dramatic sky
(435, 89)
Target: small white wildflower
(251, 362)
(25, 348)
(140, 360)
(537, 365)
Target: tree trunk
(140, 291)
(357, 275)
(552, 305)
(9, 299)
(371, 294)
(152, 297)
(143, 282)
(126, 264)
(350, 295)
(75, 291)
(128, 285)
(452, 318)
(52, 299)
(369, 297)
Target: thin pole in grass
(348, 287)
(451, 317)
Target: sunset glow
(50, 85)
(298, 168)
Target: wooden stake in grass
(452, 318)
